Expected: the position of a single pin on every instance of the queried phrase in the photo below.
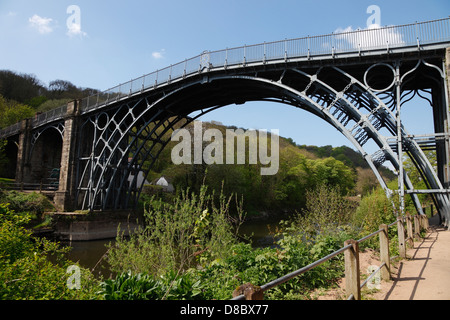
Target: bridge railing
(357, 41)
(352, 265)
(49, 116)
(11, 130)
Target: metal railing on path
(351, 252)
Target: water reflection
(261, 231)
(92, 254)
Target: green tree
(328, 171)
(12, 112)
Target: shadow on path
(425, 274)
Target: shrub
(170, 286)
(25, 269)
(176, 236)
(33, 204)
(327, 212)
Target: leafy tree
(12, 112)
(328, 171)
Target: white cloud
(43, 25)
(158, 54)
(372, 37)
(74, 29)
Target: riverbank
(89, 236)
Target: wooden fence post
(352, 272)
(416, 226)
(409, 230)
(384, 253)
(424, 223)
(401, 238)
(249, 291)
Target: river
(90, 254)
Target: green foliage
(346, 155)
(34, 204)
(51, 104)
(299, 170)
(14, 240)
(177, 235)
(327, 212)
(192, 241)
(19, 87)
(170, 286)
(374, 209)
(35, 102)
(322, 229)
(262, 265)
(416, 178)
(12, 112)
(25, 269)
(22, 95)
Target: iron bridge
(358, 82)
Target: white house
(164, 182)
(139, 179)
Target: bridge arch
(9, 158)
(45, 155)
(345, 102)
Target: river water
(90, 254)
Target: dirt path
(425, 274)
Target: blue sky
(121, 40)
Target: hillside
(22, 95)
(301, 168)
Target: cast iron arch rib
(298, 88)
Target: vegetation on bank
(176, 264)
(26, 270)
(189, 248)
